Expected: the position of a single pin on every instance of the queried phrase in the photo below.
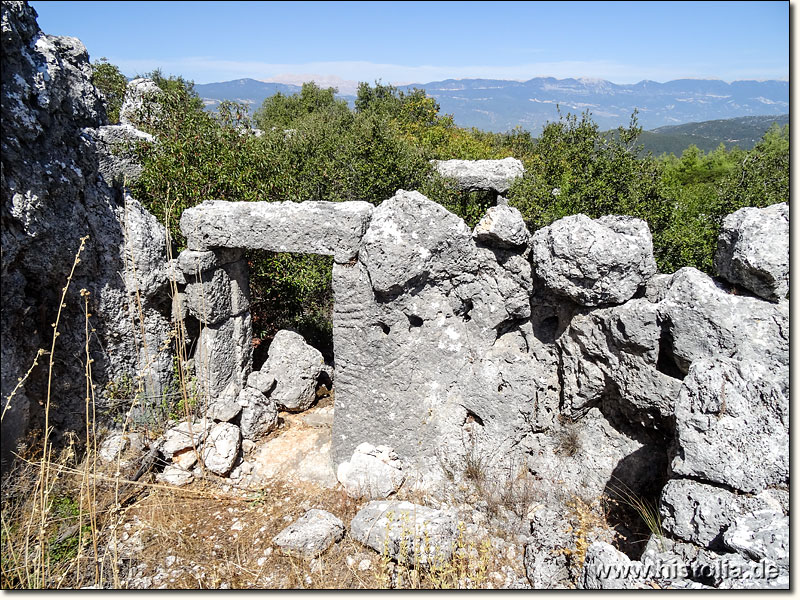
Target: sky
(420, 42)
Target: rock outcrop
(59, 184)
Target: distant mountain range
(247, 91)
(500, 105)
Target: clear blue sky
(404, 42)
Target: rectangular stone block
(219, 294)
(327, 228)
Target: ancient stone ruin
(560, 353)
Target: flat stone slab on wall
(328, 228)
(474, 175)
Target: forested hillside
(744, 132)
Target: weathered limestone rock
(762, 534)
(225, 407)
(175, 475)
(616, 354)
(186, 434)
(594, 262)
(636, 356)
(224, 355)
(591, 458)
(296, 367)
(194, 263)
(729, 412)
(312, 534)
(700, 513)
(445, 323)
(502, 226)
(371, 472)
(424, 533)
(546, 567)
(703, 320)
(218, 294)
(606, 568)
(139, 107)
(51, 197)
(115, 145)
(262, 380)
(328, 228)
(221, 448)
(753, 250)
(412, 240)
(259, 414)
(475, 175)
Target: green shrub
(111, 83)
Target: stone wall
(451, 343)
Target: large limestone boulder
(634, 357)
(476, 175)
(405, 531)
(433, 337)
(753, 250)
(703, 320)
(259, 414)
(618, 354)
(412, 240)
(296, 367)
(727, 413)
(221, 448)
(594, 262)
(312, 534)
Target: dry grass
(588, 524)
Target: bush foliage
(313, 146)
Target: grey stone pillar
(218, 296)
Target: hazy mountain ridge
(248, 91)
(500, 105)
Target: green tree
(111, 83)
(281, 111)
(577, 169)
(761, 177)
